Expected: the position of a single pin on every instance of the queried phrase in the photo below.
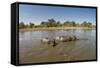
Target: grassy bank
(53, 28)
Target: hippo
(45, 40)
(71, 38)
(48, 41)
(58, 39)
(66, 38)
(54, 43)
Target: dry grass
(53, 28)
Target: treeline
(53, 23)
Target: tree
(58, 23)
(89, 24)
(43, 24)
(51, 20)
(66, 23)
(21, 25)
(51, 23)
(31, 25)
(73, 24)
(84, 24)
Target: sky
(37, 13)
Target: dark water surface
(32, 50)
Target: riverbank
(55, 28)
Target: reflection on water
(32, 50)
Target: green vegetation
(31, 25)
(21, 25)
(52, 24)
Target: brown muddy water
(32, 50)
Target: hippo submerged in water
(60, 39)
(45, 40)
(48, 41)
(66, 38)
